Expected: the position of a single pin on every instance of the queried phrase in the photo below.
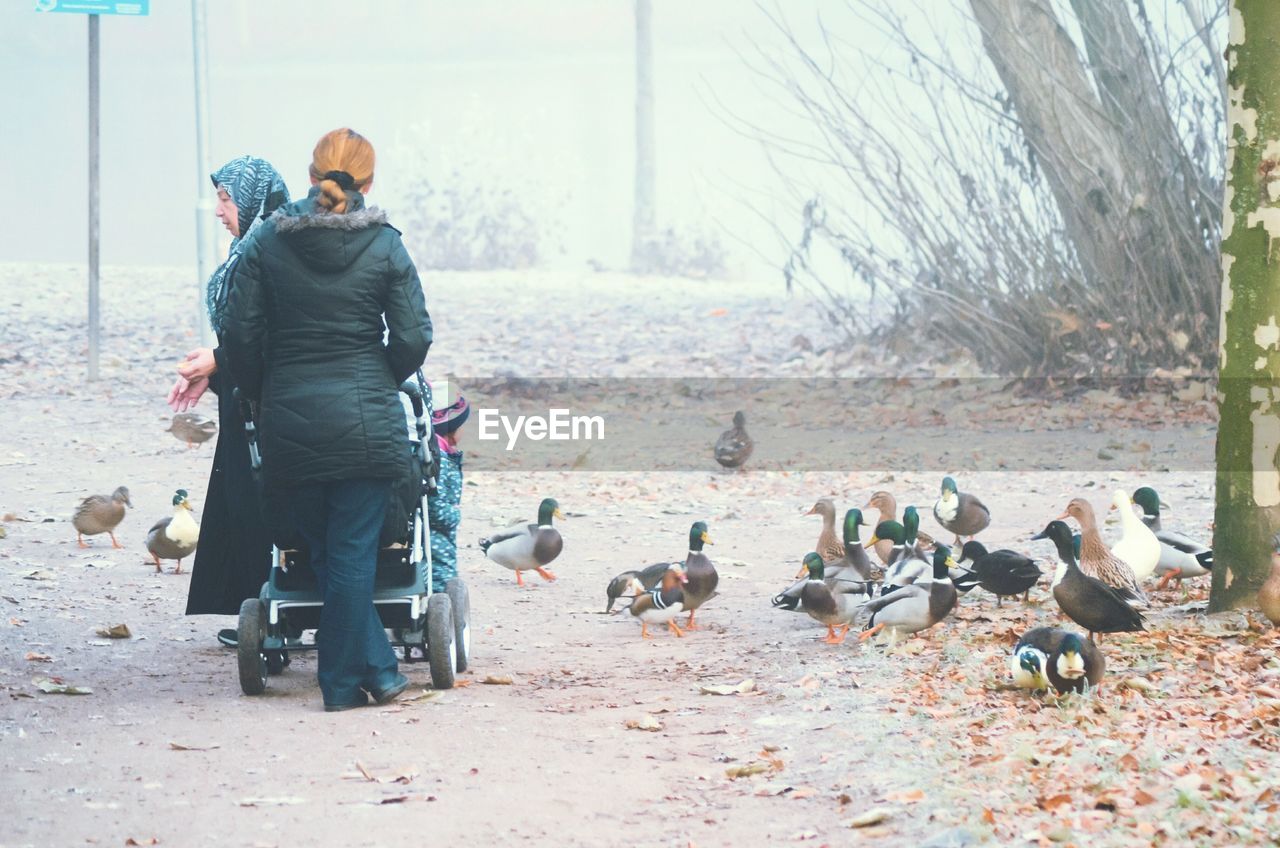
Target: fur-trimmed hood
(325, 240)
(350, 222)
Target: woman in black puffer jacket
(304, 336)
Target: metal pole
(204, 189)
(94, 197)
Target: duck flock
(900, 581)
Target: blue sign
(96, 7)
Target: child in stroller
(435, 624)
(443, 505)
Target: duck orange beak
(871, 543)
(1063, 517)
(804, 569)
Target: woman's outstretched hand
(186, 393)
(199, 364)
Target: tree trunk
(1165, 236)
(1064, 124)
(1128, 193)
(1248, 496)
(644, 218)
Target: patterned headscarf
(257, 190)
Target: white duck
(1138, 546)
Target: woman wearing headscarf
(233, 559)
(310, 301)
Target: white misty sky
(538, 97)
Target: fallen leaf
(1142, 798)
(115, 631)
(32, 656)
(752, 768)
(1140, 684)
(404, 774)
(645, 722)
(151, 841)
(56, 686)
(1053, 803)
(742, 688)
(870, 817)
(497, 680)
(177, 746)
(39, 574)
(426, 695)
(906, 796)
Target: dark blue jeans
(340, 521)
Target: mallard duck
(884, 503)
(961, 513)
(101, 514)
(1180, 557)
(701, 578)
(914, 542)
(734, 446)
(916, 607)
(855, 564)
(1051, 656)
(829, 546)
(662, 604)
(1138, 546)
(834, 609)
(1096, 559)
(1002, 573)
(649, 576)
(852, 574)
(527, 547)
(905, 567)
(174, 537)
(1088, 601)
(1269, 594)
(192, 428)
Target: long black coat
(233, 558)
(304, 335)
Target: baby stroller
(427, 625)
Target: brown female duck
(1096, 559)
(101, 514)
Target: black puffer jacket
(304, 335)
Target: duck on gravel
(1094, 605)
(825, 606)
(1050, 657)
(661, 605)
(174, 537)
(101, 514)
(528, 547)
(961, 513)
(1097, 560)
(1003, 573)
(916, 607)
(1181, 558)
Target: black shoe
(229, 637)
(386, 696)
(337, 708)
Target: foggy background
(538, 98)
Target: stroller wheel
(276, 661)
(461, 600)
(249, 656)
(441, 654)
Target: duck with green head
(700, 573)
(834, 609)
(908, 564)
(853, 574)
(917, 606)
(1181, 557)
(961, 513)
(528, 547)
(1050, 657)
